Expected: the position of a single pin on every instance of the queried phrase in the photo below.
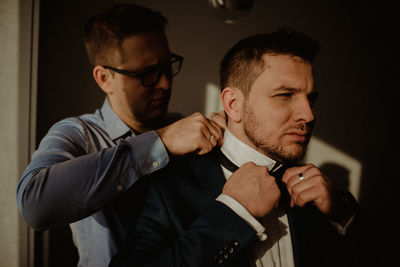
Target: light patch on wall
(344, 170)
(213, 99)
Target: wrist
(344, 208)
(161, 133)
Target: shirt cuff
(244, 214)
(342, 229)
(148, 152)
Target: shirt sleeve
(63, 183)
(244, 214)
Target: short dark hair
(243, 63)
(107, 29)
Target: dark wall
(356, 72)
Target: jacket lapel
(208, 172)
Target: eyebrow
(292, 90)
(149, 68)
(153, 66)
(284, 88)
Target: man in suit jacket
(249, 203)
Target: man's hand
(195, 133)
(219, 118)
(254, 188)
(314, 187)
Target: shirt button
(120, 187)
(262, 236)
(155, 164)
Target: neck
(237, 130)
(136, 125)
(140, 127)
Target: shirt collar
(240, 153)
(115, 127)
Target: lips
(299, 135)
(161, 100)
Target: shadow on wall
(344, 170)
(340, 175)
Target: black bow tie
(277, 171)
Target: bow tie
(277, 171)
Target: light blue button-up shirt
(78, 176)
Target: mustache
(305, 128)
(161, 95)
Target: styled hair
(105, 31)
(242, 64)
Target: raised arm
(67, 181)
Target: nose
(164, 83)
(304, 111)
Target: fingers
(216, 131)
(254, 188)
(303, 197)
(219, 118)
(212, 135)
(292, 175)
(195, 133)
(307, 184)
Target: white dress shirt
(275, 246)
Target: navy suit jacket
(181, 224)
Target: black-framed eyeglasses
(151, 75)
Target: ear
(103, 79)
(232, 101)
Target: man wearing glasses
(87, 169)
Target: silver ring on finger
(210, 138)
(301, 176)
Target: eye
(149, 70)
(150, 76)
(284, 95)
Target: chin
(297, 155)
(293, 153)
(160, 114)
